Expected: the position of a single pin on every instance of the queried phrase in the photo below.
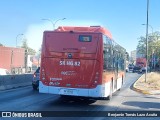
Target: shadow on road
(145, 105)
(66, 100)
(153, 97)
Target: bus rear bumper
(97, 92)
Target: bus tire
(111, 91)
(64, 96)
(35, 87)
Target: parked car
(143, 69)
(130, 67)
(36, 78)
(127, 69)
(4, 72)
(136, 69)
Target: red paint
(67, 62)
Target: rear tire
(35, 87)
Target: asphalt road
(26, 99)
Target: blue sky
(123, 18)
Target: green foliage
(1, 44)
(30, 50)
(141, 47)
(127, 56)
(153, 44)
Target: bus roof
(97, 29)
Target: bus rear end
(70, 63)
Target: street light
(57, 21)
(153, 64)
(17, 38)
(54, 23)
(150, 27)
(50, 21)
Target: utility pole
(147, 41)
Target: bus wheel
(35, 87)
(111, 91)
(64, 96)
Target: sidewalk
(151, 86)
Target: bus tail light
(96, 78)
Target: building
(133, 56)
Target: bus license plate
(68, 92)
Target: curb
(139, 90)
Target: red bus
(141, 62)
(81, 61)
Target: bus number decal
(68, 73)
(61, 62)
(55, 79)
(70, 63)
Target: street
(26, 99)
(83, 60)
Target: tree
(127, 56)
(141, 47)
(153, 46)
(1, 44)
(30, 50)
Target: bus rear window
(85, 38)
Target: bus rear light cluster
(96, 78)
(95, 82)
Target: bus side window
(104, 59)
(108, 53)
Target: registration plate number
(68, 92)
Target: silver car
(36, 78)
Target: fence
(14, 81)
